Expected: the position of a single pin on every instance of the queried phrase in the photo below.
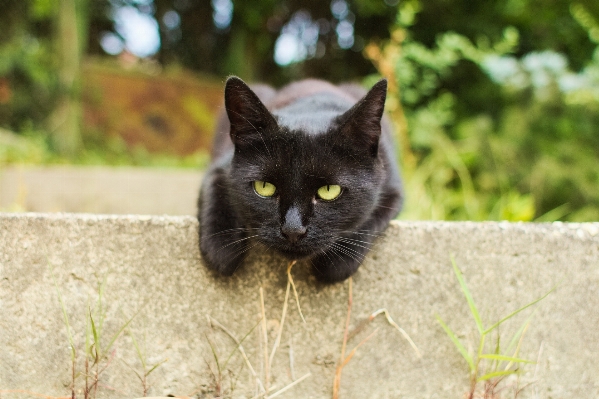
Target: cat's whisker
(355, 255)
(325, 252)
(357, 245)
(315, 266)
(363, 244)
(357, 252)
(393, 208)
(359, 232)
(357, 240)
(232, 231)
(337, 252)
(237, 241)
(374, 235)
(368, 231)
(242, 251)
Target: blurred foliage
(254, 28)
(35, 148)
(530, 154)
(496, 103)
(170, 112)
(29, 85)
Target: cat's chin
(293, 253)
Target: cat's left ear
(362, 123)
(248, 116)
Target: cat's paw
(333, 267)
(225, 250)
(224, 262)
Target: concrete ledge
(152, 268)
(99, 189)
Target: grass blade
(94, 330)
(504, 358)
(555, 214)
(468, 295)
(240, 342)
(518, 311)
(156, 366)
(495, 374)
(214, 355)
(138, 350)
(457, 343)
(64, 315)
(95, 351)
(496, 351)
(516, 338)
(116, 335)
(101, 312)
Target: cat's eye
(264, 188)
(329, 192)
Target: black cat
(309, 171)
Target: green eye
(329, 192)
(264, 188)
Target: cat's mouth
(297, 250)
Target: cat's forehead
(298, 153)
(315, 124)
(311, 115)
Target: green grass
(489, 366)
(97, 349)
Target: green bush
(528, 151)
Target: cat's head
(300, 186)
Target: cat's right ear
(247, 115)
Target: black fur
(308, 135)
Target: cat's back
(313, 88)
(310, 105)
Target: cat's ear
(247, 115)
(361, 124)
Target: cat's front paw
(224, 250)
(333, 266)
(223, 260)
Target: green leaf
(495, 374)
(214, 355)
(517, 311)
(101, 312)
(504, 358)
(518, 334)
(64, 314)
(94, 330)
(116, 335)
(95, 346)
(468, 295)
(497, 351)
(156, 366)
(239, 344)
(138, 350)
(457, 343)
(87, 335)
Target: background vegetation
(496, 103)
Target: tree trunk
(65, 122)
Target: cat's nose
(293, 229)
(293, 235)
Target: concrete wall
(152, 269)
(117, 190)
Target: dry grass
(347, 335)
(263, 385)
